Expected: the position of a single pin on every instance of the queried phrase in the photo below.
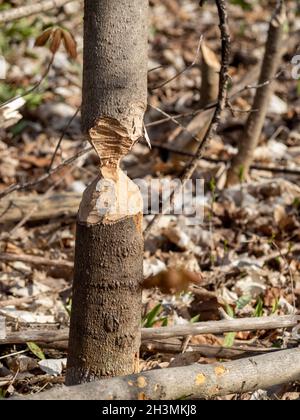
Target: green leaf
(19, 127)
(243, 301)
(244, 4)
(229, 339)
(275, 306)
(195, 319)
(258, 313)
(35, 349)
(151, 317)
(229, 310)
(164, 322)
(68, 306)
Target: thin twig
(35, 260)
(182, 71)
(33, 88)
(31, 9)
(62, 137)
(274, 169)
(33, 183)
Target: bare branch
(31, 9)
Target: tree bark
(108, 271)
(241, 163)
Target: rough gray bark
(106, 306)
(241, 163)
(195, 381)
(31, 9)
(115, 63)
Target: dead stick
(195, 381)
(219, 327)
(31, 9)
(211, 327)
(274, 169)
(34, 182)
(35, 260)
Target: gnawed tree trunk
(106, 306)
(241, 163)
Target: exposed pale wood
(195, 381)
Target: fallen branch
(31, 9)
(203, 350)
(211, 327)
(219, 327)
(23, 337)
(35, 260)
(54, 206)
(195, 381)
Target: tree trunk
(106, 306)
(241, 163)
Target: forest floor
(245, 253)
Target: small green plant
(241, 174)
(244, 4)
(275, 306)
(296, 202)
(195, 319)
(36, 350)
(229, 310)
(229, 339)
(33, 99)
(152, 317)
(68, 306)
(259, 308)
(2, 393)
(243, 301)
